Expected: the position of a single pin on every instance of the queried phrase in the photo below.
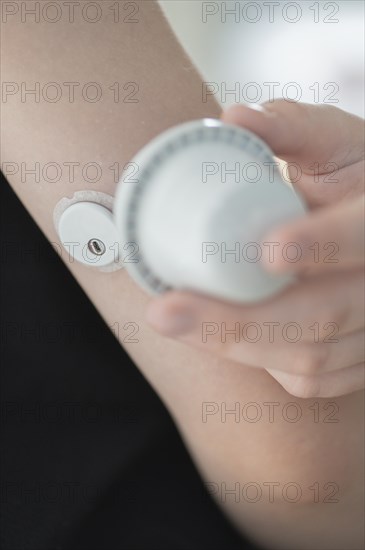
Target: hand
(310, 338)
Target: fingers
(302, 132)
(328, 238)
(318, 309)
(248, 336)
(261, 345)
(334, 185)
(332, 384)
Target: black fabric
(90, 458)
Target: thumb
(303, 133)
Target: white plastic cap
(205, 196)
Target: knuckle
(335, 317)
(312, 361)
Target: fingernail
(256, 107)
(170, 321)
(235, 112)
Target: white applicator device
(204, 195)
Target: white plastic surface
(181, 215)
(84, 222)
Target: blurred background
(308, 51)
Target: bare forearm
(109, 132)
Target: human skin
(279, 451)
